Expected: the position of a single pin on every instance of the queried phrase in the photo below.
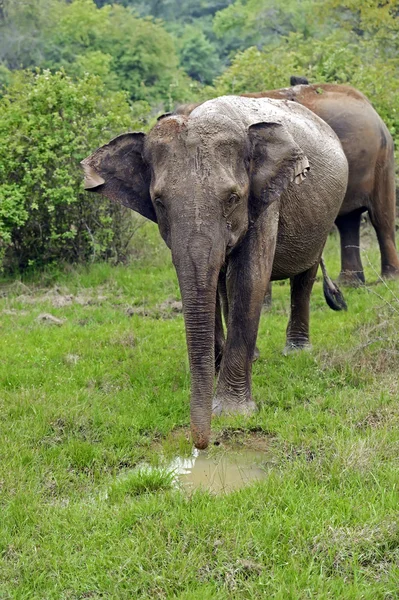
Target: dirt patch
(168, 309)
(171, 307)
(231, 575)
(127, 340)
(250, 439)
(375, 547)
(13, 289)
(15, 312)
(380, 417)
(49, 319)
(375, 354)
(237, 439)
(141, 311)
(60, 298)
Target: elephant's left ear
(276, 161)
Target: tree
(340, 57)
(185, 11)
(198, 56)
(202, 54)
(133, 54)
(258, 22)
(48, 124)
(143, 60)
(21, 28)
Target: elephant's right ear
(118, 171)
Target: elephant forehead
(216, 126)
(195, 141)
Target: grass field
(94, 381)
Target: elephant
(251, 186)
(369, 148)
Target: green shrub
(48, 124)
(340, 57)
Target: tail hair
(294, 80)
(332, 293)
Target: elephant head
(205, 181)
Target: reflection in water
(219, 472)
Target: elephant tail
(332, 293)
(295, 80)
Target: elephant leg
(351, 264)
(222, 292)
(382, 216)
(248, 275)
(298, 325)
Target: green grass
(84, 404)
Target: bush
(341, 57)
(48, 124)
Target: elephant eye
(231, 203)
(159, 204)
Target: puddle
(219, 472)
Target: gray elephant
(249, 185)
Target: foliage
(144, 60)
(132, 54)
(22, 28)
(370, 19)
(48, 123)
(201, 54)
(185, 11)
(5, 78)
(198, 56)
(260, 22)
(340, 57)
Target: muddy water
(218, 472)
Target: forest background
(73, 74)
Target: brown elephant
(229, 188)
(369, 148)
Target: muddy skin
(369, 148)
(226, 185)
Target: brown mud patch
(234, 439)
(233, 459)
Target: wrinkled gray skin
(230, 186)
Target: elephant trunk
(198, 264)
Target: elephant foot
(292, 347)
(232, 406)
(351, 278)
(389, 272)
